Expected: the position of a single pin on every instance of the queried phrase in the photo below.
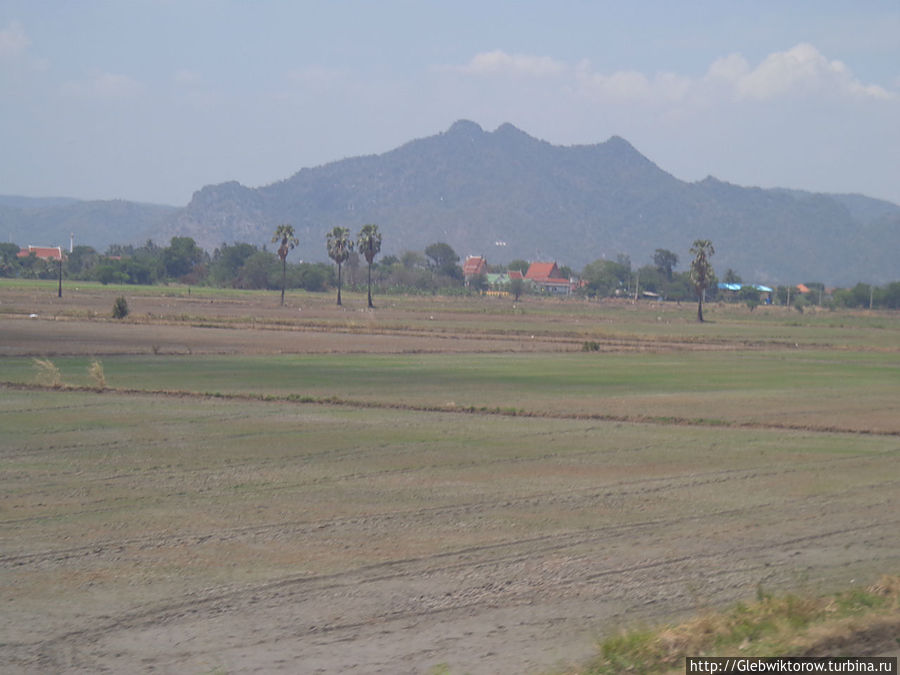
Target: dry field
(310, 489)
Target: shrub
(120, 308)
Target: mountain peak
(465, 128)
(507, 129)
(620, 144)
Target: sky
(150, 100)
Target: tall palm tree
(369, 242)
(340, 245)
(701, 270)
(285, 234)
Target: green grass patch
(812, 388)
(775, 625)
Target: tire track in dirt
(370, 521)
(694, 480)
(629, 581)
(617, 490)
(575, 498)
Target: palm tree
(284, 233)
(339, 245)
(701, 270)
(369, 242)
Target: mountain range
(507, 195)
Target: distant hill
(51, 221)
(506, 195)
(472, 189)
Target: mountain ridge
(473, 189)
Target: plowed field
(233, 499)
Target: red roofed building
(42, 252)
(473, 266)
(547, 277)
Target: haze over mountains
(506, 195)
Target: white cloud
(630, 86)
(728, 69)
(103, 86)
(802, 69)
(13, 40)
(499, 62)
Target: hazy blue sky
(149, 100)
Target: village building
(546, 277)
(54, 253)
(474, 265)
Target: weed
(95, 371)
(47, 373)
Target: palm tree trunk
(700, 309)
(283, 278)
(370, 287)
(339, 285)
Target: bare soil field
(192, 534)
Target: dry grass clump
(95, 372)
(47, 373)
(857, 622)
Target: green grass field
(818, 389)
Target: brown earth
(450, 583)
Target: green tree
(749, 295)
(889, 296)
(443, 260)
(181, 256)
(413, 260)
(479, 283)
(340, 246)
(517, 287)
(80, 261)
(9, 259)
(288, 240)
(701, 270)
(227, 263)
(369, 243)
(651, 278)
(313, 277)
(257, 271)
(605, 277)
(665, 262)
(732, 277)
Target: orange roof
(474, 266)
(42, 252)
(515, 274)
(542, 270)
(803, 288)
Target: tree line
(435, 270)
